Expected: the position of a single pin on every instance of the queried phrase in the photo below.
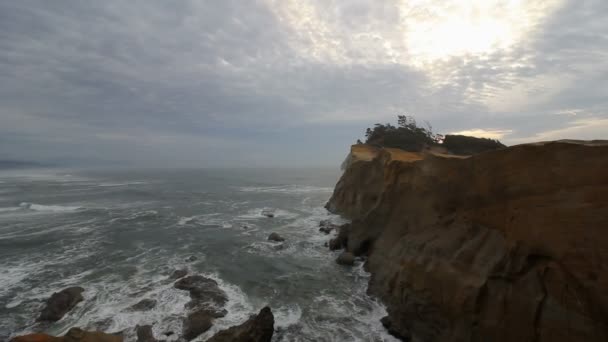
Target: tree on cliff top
(409, 136)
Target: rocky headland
(506, 245)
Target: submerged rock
(275, 237)
(178, 274)
(258, 328)
(73, 335)
(144, 305)
(346, 258)
(144, 333)
(268, 213)
(191, 258)
(61, 303)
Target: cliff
(508, 245)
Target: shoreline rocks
(346, 259)
(144, 333)
(60, 303)
(204, 292)
(258, 328)
(73, 335)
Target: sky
(265, 83)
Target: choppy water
(120, 234)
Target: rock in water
(191, 258)
(346, 258)
(268, 213)
(197, 323)
(73, 335)
(144, 305)
(178, 274)
(275, 237)
(341, 240)
(60, 303)
(257, 329)
(327, 227)
(144, 333)
(202, 291)
(504, 246)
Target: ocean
(120, 234)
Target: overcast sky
(290, 83)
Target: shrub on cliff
(409, 136)
(462, 144)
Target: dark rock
(178, 274)
(403, 336)
(60, 303)
(144, 305)
(257, 329)
(191, 258)
(275, 237)
(196, 323)
(144, 333)
(346, 258)
(73, 335)
(340, 241)
(169, 333)
(327, 227)
(268, 213)
(202, 290)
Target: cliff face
(509, 245)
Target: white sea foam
(286, 189)
(287, 315)
(48, 208)
(121, 184)
(257, 214)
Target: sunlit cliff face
(412, 32)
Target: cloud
(218, 82)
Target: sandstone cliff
(509, 245)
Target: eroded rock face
(508, 245)
(258, 328)
(61, 303)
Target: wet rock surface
(61, 303)
(275, 237)
(144, 333)
(178, 274)
(258, 328)
(202, 289)
(73, 335)
(346, 259)
(144, 305)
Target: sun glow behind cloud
(410, 32)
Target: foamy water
(120, 235)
